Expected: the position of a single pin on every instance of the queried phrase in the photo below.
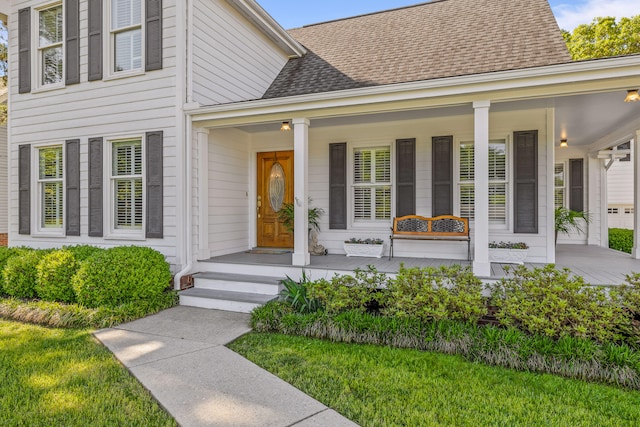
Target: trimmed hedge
(54, 274)
(20, 273)
(621, 239)
(6, 254)
(121, 275)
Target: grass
(380, 386)
(63, 377)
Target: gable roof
(443, 38)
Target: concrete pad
(134, 348)
(196, 324)
(325, 419)
(217, 387)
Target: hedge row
(621, 239)
(91, 276)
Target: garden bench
(443, 227)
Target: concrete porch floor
(598, 266)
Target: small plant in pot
(567, 221)
(370, 247)
(286, 215)
(508, 252)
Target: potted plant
(286, 215)
(568, 221)
(364, 247)
(508, 252)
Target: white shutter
(127, 184)
(50, 175)
(362, 203)
(559, 184)
(466, 176)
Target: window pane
(50, 160)
(128, 50)
(52, 203)
(466, 162)
(362, 203)
(383, 165)
(559, 197)
(127, 158)
(559, 175)
(126, 13)
(128, 206)
(497, 161)
(467, 200)
(51, 26)
(362, 166)
(383, 203)
(498, 203)
(52, 65)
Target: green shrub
(295, 293)
(121, 275)
(20, 273)
(621, 239)
(343, 292)
(82, 252)
(551, 302)
(6, 254)
(436, 294)
(54, 274)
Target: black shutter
(72, 41)
(95, 40)
(154, 185)
(95, 187)
(153, 39)
(24, 189)
(525, 154)
(338, 186)
(24, 50)
(405, 177)
(72, 187)
(576, 185)
(442, 175)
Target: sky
(569, 13)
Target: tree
(604, 37)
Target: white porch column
(481, 264)
(635, 253)
(301, 255)
(202, 138)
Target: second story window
(126, 34)
(50, 45)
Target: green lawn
(382, 386)
(63, 377)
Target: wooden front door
(275, 188)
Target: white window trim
(373, 224)
(36, 63)
(36, 201)
(109, 45)
(109, 202)
(565, 165)
(458, 140)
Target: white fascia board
(562, 79)
(269, 26)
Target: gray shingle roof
(444, 38)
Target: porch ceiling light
(632, 96)
(563, 143)
(285, 126)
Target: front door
(275, 188)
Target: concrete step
(238, 283)
(241, 302)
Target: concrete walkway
(179, 355)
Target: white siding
(109, 108)
(620, 194)
(4, 189)
(562, 155)
(232, 60)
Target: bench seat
(443, 227)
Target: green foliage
(621, 239)
(604, 37)
(567, 220)
(6, 254)
(54, 273)
(287, 216)
(82, 252)
(436, 294)
(360, 292)
(553, 303)
(295, 293)
(121, 275)
(20, 273)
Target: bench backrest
(443, 225)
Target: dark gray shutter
(95, 187)
(338, 186)
(442, 175)
(576, 185)
(153, 38)
(155, 203)
(24, 189)
(24, 50)
(72, 42)
(525, 154)
(72, 187)
(405, 177)
(95, 40)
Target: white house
(157, 122)
(4, 175)
(620, 206)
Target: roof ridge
(369, 14)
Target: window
(126, 35)
(628, 211)
(50, 45)
(50, 188)
(498, 182)
(559, 180)
(372, 184)
(126, 186)
(613, 211)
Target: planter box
(363, 250)
(508, 256)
